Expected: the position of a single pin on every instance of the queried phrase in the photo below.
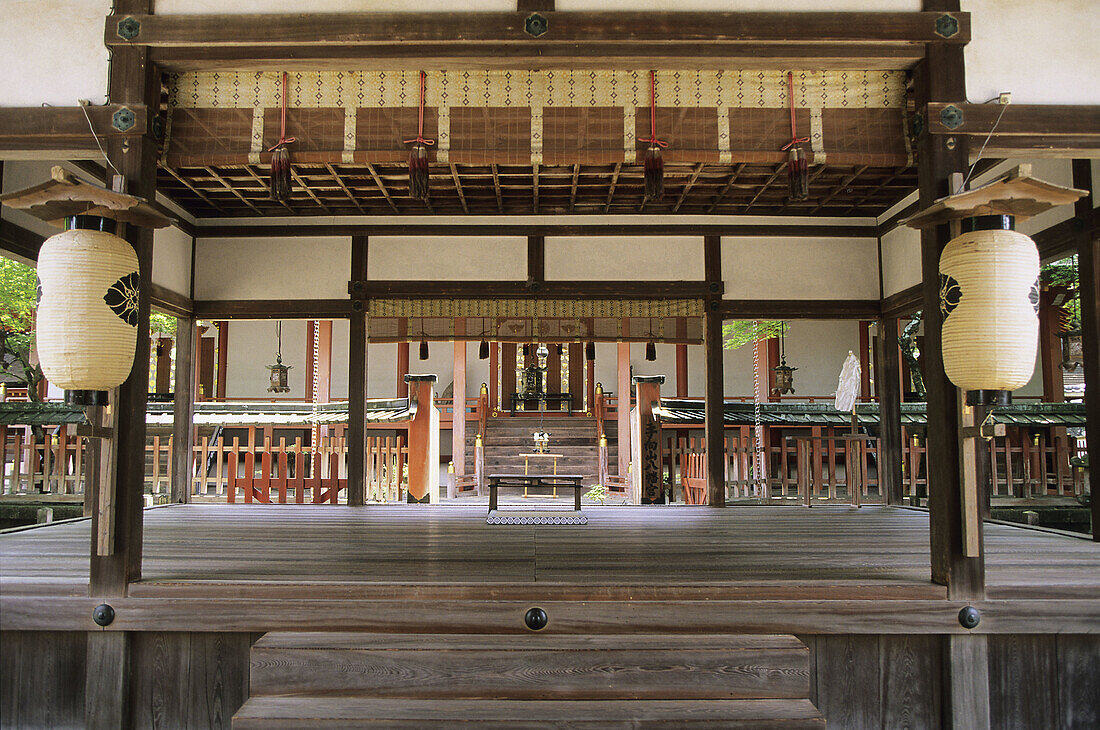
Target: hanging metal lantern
(483, 350)
(280, 382)
(1073, 351)
(88, 283)
(784, 374)
(989, 284)
(542, 352)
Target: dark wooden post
(183, 411)
(714, 404)
(888, 387)
(116, 560)
(940, 77)
(357, 380)
(1088, 267)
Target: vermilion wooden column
(458, 423)
(423, 441)
(402, 369)
(681, 371)
(623, 393)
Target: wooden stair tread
(358, 712)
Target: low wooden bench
(535, 481)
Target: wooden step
(359, 712)
(525, 666)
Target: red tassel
(418, 172)
(280, 174)
(654, 166)
(798, 174)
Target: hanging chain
(757, 434)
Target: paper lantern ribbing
(87, 310)
(989, 303)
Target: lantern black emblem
(950, 294)
(1033, 296)
(122, 298)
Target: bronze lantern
(1072, 350)
(279, 379)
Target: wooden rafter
(778, 171)
(687, 186)
(611, 188)
(535, 187)
(309, 191)
(382, 187)
(267, 188)
(844, 184)
(496, 188)
(573, 188)
(810, 181)
(727, 187)
(343, 186)
(213, 173)
(458, 189)
(192, 188)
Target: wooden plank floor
(636, 552)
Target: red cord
(420, 125)
(795, 139)
(283, 139)
(652, 139)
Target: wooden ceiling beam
(458, 188)
(183, 181)
(727, 187)
(343, 186)
(225, 184)
(382, 187)
(496, 188)
(564, 28)
(267, 188)
(837, 190)
(448, 227)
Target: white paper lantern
(87, 309)
(989, 300)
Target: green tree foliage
(742, 332)
(18, 287)
(1064, 273)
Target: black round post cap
(103, 614)
(970, 617)
(535, 618)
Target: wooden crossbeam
(183, 181)
(256, 177)
(687, 186)
(614, 183)
(573, 188)
(526, 290)
(496, 188)
(727, 187)
(839, 188)
(309, 191)
(535, 187)
(66, 129)
(595, 27)
(763, 188)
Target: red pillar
(623, 393)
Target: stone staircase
(361, 680)
(573, 437)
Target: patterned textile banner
(548, 117)
(522, 320)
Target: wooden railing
(53, 464)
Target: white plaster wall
(341, 347)
(172, 260)
(444, 258)
(382, 370)
(800, 268)
(901, 265)
(275, 268)
(616, 258)
(252, 345)
(1043, 51)
(1059, 172)
(52, 52)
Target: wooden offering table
(516, 481)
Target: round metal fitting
(535, 619)
(103, 615)
(970, 617)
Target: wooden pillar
(423, 441)
(681, 371)
(553, 374)
(507, 374)
(356, 432)
(714, 405)
(623, 420)
(183, 411)
(576, 374)
(324, 361)
(1088, 263)
(116, 528)
(648, 487)
(223, 358)
(458, 422)
(494, 374)
(402, 369)
(163, 377)
(888, 390)
(940, 78)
